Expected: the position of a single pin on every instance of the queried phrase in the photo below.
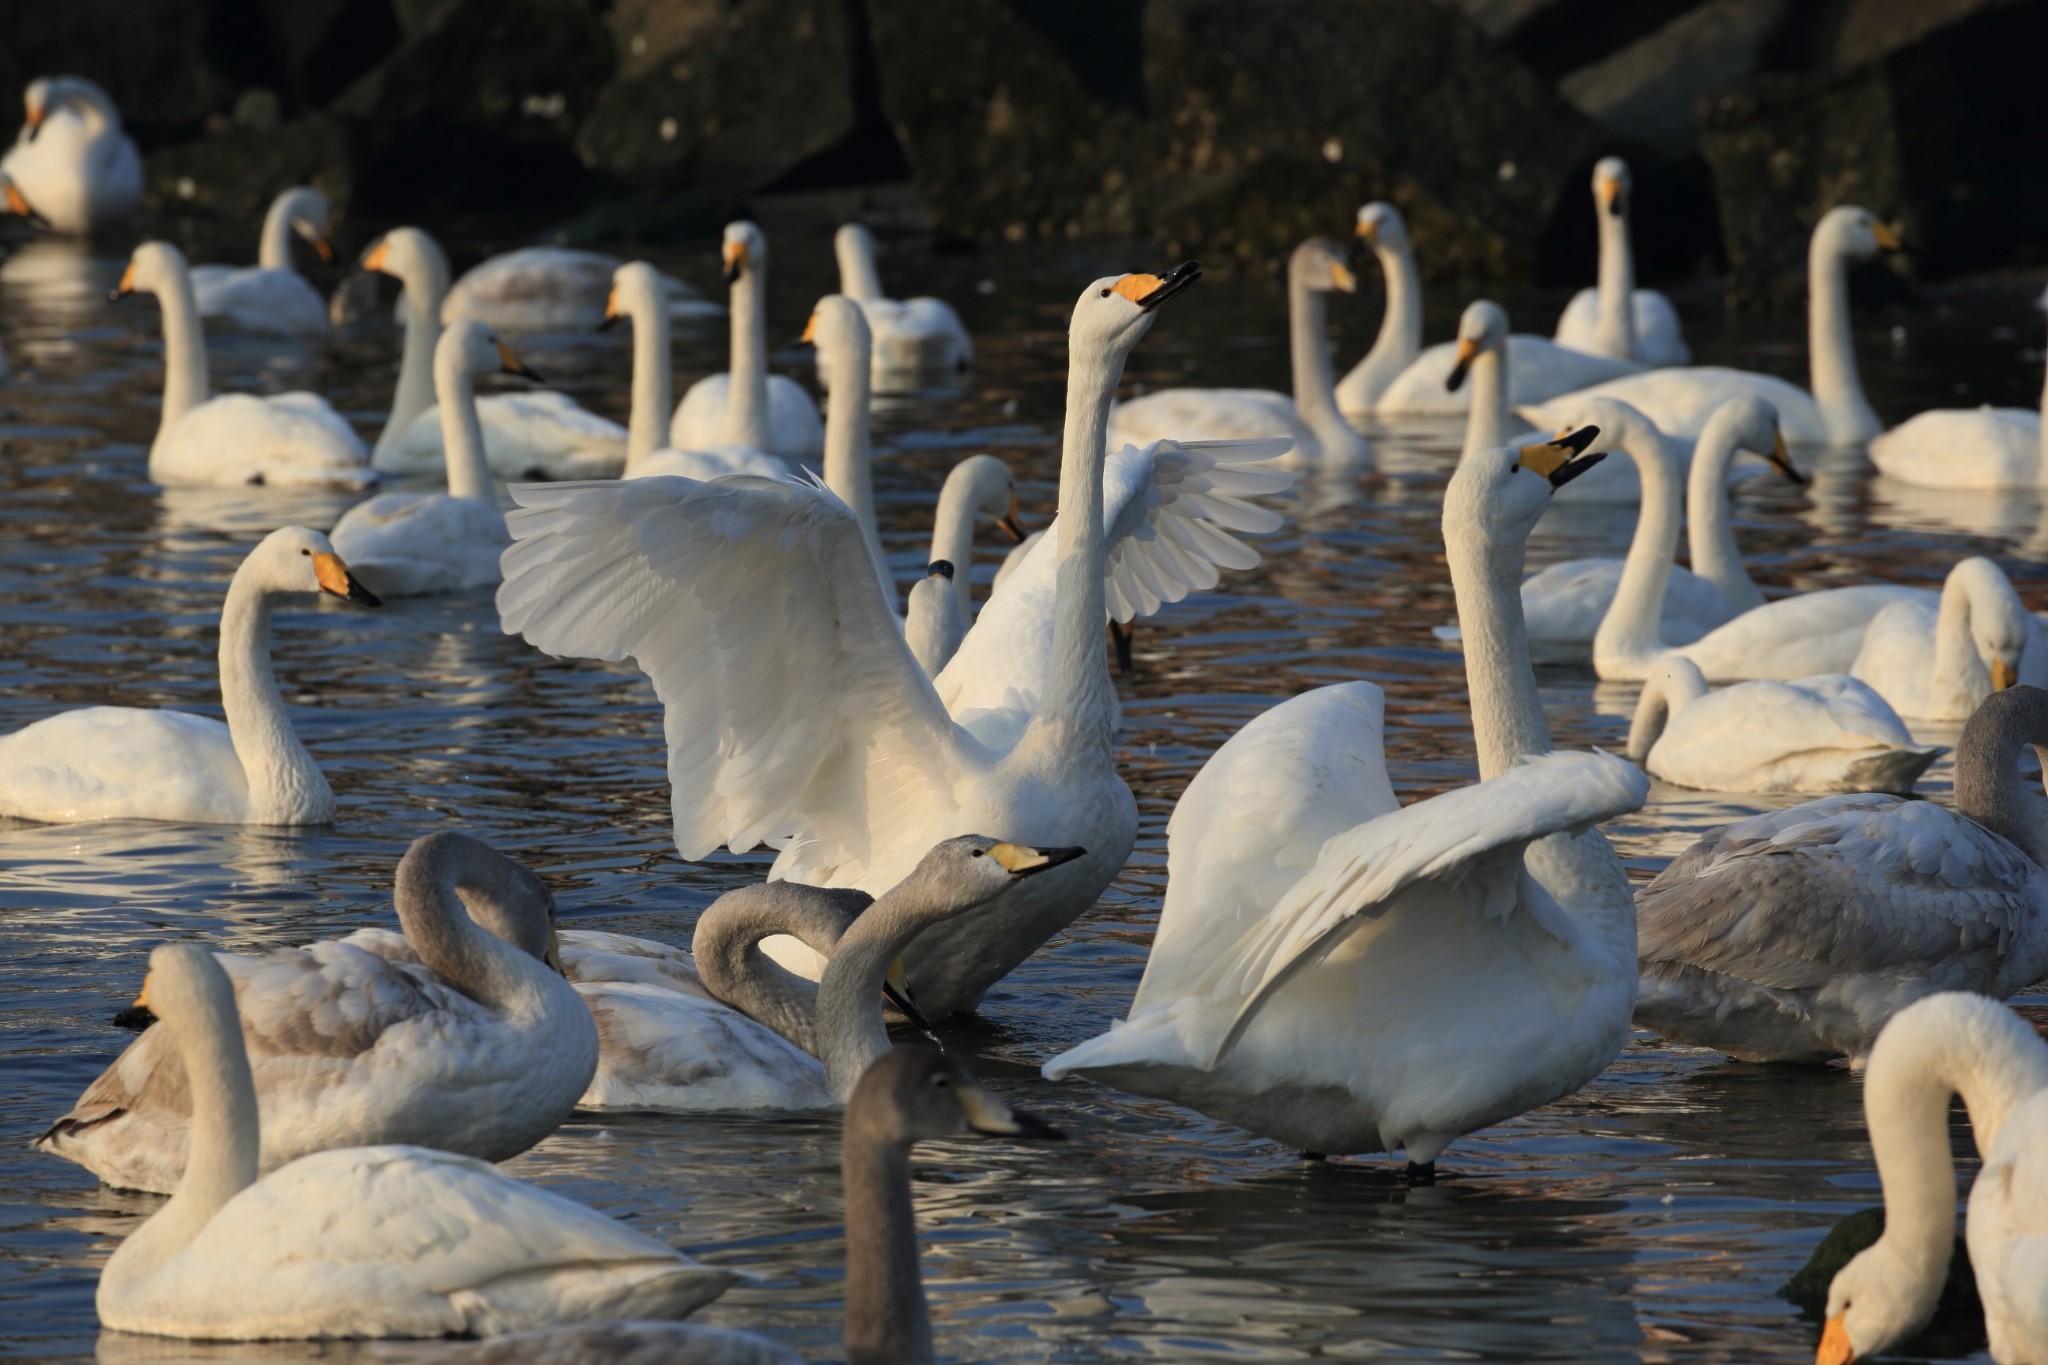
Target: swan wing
(791, 701)
(272, 302)
(532, 432)
(122, 762)
(718, 462)
(668, 1051)
(593, 956)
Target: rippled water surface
(1650, 1217)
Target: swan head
(1612, 185)
(744, 249)
(297, 559)
(152, 269)
(1114, 313)
(853, 239)
(913, 1094)
(406, 254)
(1998, 621)
(1622, 426)
(1505, 491)
(1482, 328)
(473, 348)
(973, 868)
(637, 293)
(991, 490)
(1752, 425)
(1319, 264)
(47, 94)
(311, 216)
(839, 329)
(1855, 233)
(1380, 225)
(1875, 1302)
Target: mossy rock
(1957, 1327)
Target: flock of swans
(1331, 969)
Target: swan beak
(990, 1117)
(2003, 675)
(1149, 291)
(138, 1016)
(510, 364)
(553, 955)
(334, 577)
(1564, 459)
(1341, 278)
(1888, 238)
(1781, 460)
(19, 206)
(1009, 525)
(323, 248)
(373, 260)
(1023, 861)
(1368, 232)
(611, 310)
(125, 287)
(734, 257)
(810, 334)
(896, 990)
(1468, 351)
(1123, 634)
(1610, 196)
(35, 122)
(1835, 1348)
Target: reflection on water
(1648, 1218)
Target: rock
(1651, 88)
(233, 175)
(1957, 1328)
(155, 67)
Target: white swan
(978, 486)
(71, 159)
(281, 439)
(458, 1036)
(1534, 368)
(554, 289)
(1794, 935)
(1309, 418)
(1680, 398)
(126, 763)
(932, 612)
(1381, 228)
(754, 1036)
(383, 1241)
(420, 544)
(1979, 449)
(843, 742)
(271, 298)
(1347, 975)
(528, 434)
(747, 406)
(1826, 734)
(1614, 318)
(1938, 658)
(913, 337)
(1951, 1044)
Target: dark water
(1649, 1217)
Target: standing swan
(474, 1045)
(1614, 318)
(1347, 975)
(1951, 1044)
(747, 406)
(1794, 935)
(1979, 449)
(383, 1241)
(1309, 418)
(913, 337)
(71, 159)
(282, 439)
(1382, 230)
(271, 298)
(126, 763)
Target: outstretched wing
(790, 701)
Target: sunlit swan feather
(746, 405)
(913, 337)
(271, 298)
(1614, 318)
(71, 161)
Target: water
(1650, 1217)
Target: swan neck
(429, 891)
(858, 278)
(425, 288)
(1616, 334)
(953, 523)
(1486, 422)
(887, 1322)
(1989, 789)
(746, 402)
(1400, 335)
(727, 951)
(1837, 390)
(1958, 674)
(1486, 576)
(1632, 632)
(226, 1138)
(274, 247)
(285, 786)
(849, 454)
(462, 432)
(1669, 691)
(184, 348)
(1710, 529)
(1315, 381)
(653, 385)
(851, 1030)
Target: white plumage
(271, 298)
(914, 338)
(553, 289)
(71, 161)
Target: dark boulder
(155, 66)
(232, 176)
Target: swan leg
(1313, 1156)
(1123, 635)
(1422, 1173)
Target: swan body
(368, 1241)
(636, 297)
(913, 337)
(1937, 657)
(1951, 1044)
(271, 298)
(747, 406)
(1614, 318)
(1835, 412)
(1540, 369)
(283, 440)
(1381, 229)
(420, 544)
(1794, 935)
(1339, 972)
(469, 1042)
(71, 161)
(1825, 734)
(123, 763)
(1980, 449)
(553, 289)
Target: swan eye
(978, 852)
(1105, 293)
(305, 552)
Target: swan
(1309, 419)
(271, 298)
(823, 728)
(554, 289)
(909, 1095)
(532, 434)
(1830, 733)
(71, 159)
(979, 486)
(281, 439)
(755, 1036)
(1794, 935)
(359, 1241)
(420, 544)
(1382, 230)
(1981, 449)
(1344, 974)
(747, 406)
(932, 615)
(913, 337)
(1646, 328)
(1679, 398)
(1951, 1044)
(128, 763)
(1938, 657)
(1532, 368)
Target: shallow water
(1650, 1217)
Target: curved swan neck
(1615, 335)
(1399, 339)
(1631, 634)
(1673, 687)
(1486, 576)
(1486, 422)
(887, 1322)
(225, 1145)
(434, 878)
(726, 948)
(285, 786)
(184, 345)
(1710, 527)
(746, 401)
(1988, 785)
(426, 285)
(851, 1030)
(462, 432)
(1315, 383)
(855, 249)
(953, 523)
(274, 246)
(653, 385)
(1832, 355)
(849, 455)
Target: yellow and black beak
(990, 1117)
(334, 577)
(1781, 460)
(1024, 861)
(1888, 237)
(1341, 278)
(323, 248)
(2003, 675)
(1564, 459)
(125, 287)
(1835, 1346)
(1468, 351)
(18, 205)
(373, 259)
(1611, 197)
(1149, 291)
(138, 1016)
(896, 990)
(611, 311)
(510, 364)
(1008, 523)
(734, 259)
(810, 332)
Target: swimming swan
(1794, 935)
(1381, 230)
(554, 289)
(469, 1042)
(1535, 368)
(1938, 657)
(280, 439)
(370, 1241)
(1309, 418)
(1951, 1044)
(420, 544)
(1344, 974)
(1646, 328)
(129, 763)
(271, 298)
(72, 160)
(746, 405)
(1980, 449)
(913, 337)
